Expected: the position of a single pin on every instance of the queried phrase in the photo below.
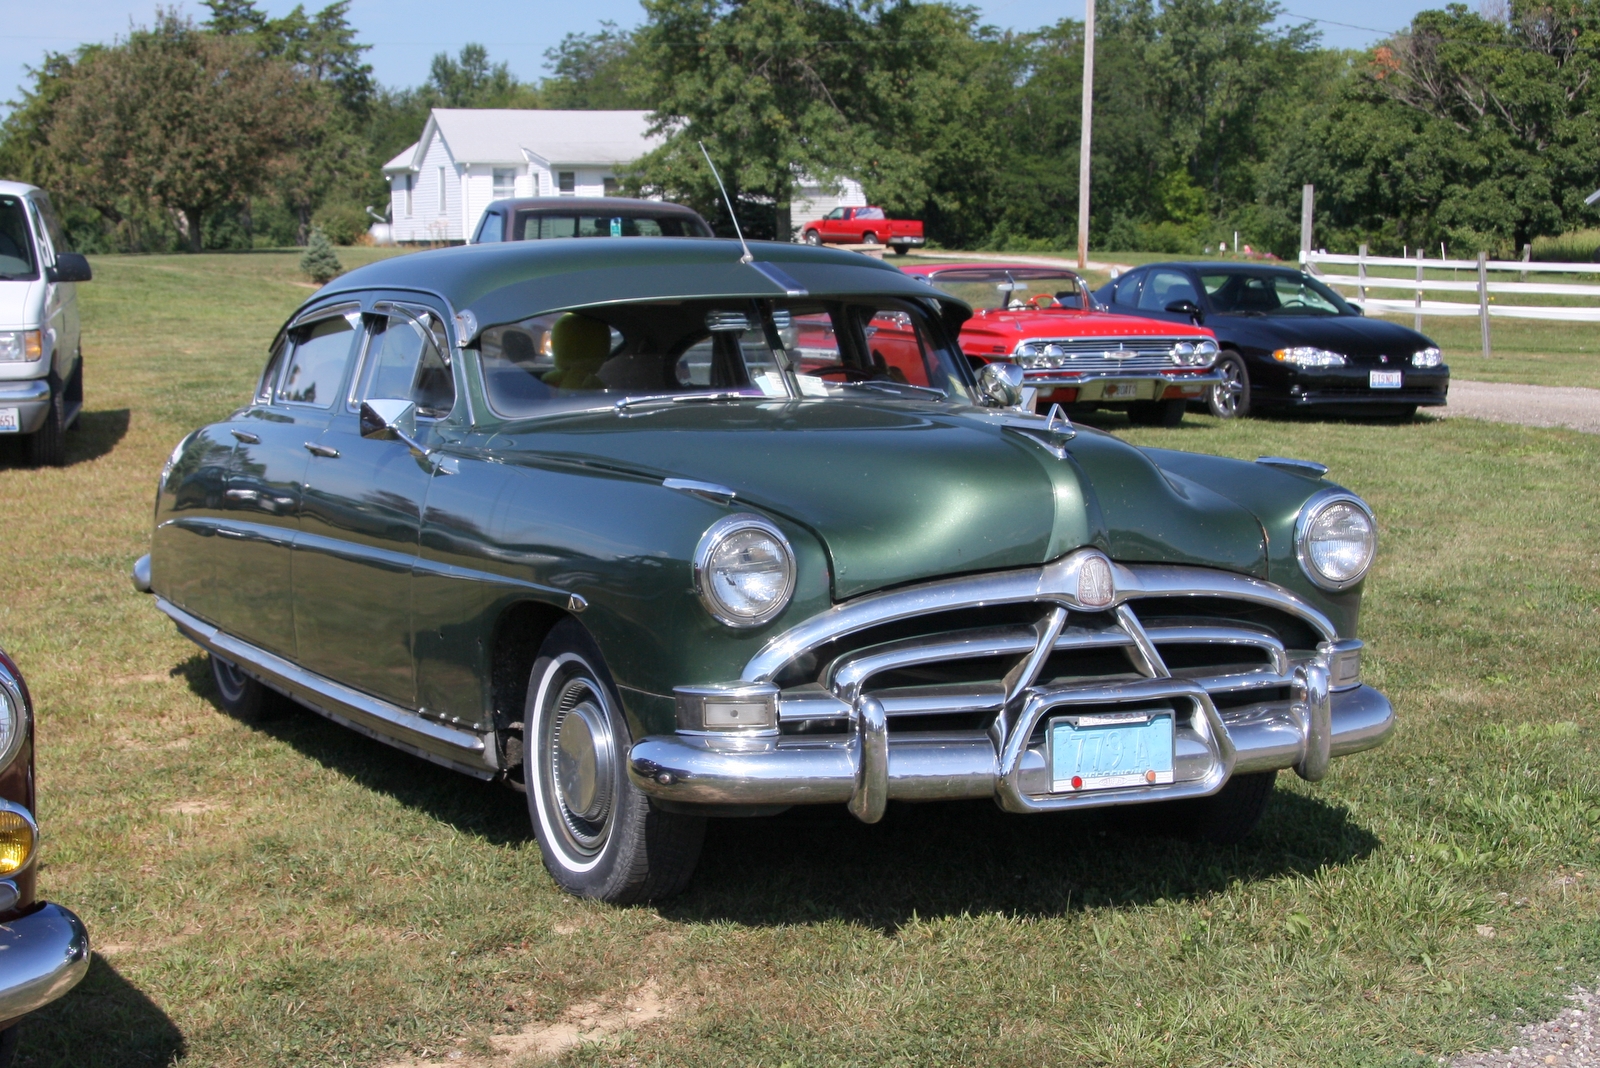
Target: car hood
(19, 305)
(1015, 325)
(899, 492)
(1351, 335)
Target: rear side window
(406, 360)
(17, 260)
(317, 364)
(1126, 293)
(532, 226)
(489, 229)
(1166, 287)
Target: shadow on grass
(948, 859)
(490, 810)
(94, 435)
(103, 1021)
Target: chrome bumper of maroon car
(42, 956)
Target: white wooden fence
(1480, 286)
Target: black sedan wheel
(1230, 398)
(600, 836)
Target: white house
(467, 158)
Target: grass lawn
(292, 894)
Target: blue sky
(405, 34)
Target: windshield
(541, 225)
(1272, 294)
(1014, 287)
(16, 242)
(722, 349)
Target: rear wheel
(47, 446)
(599, 835)
(1230, 398)
(813, 238)
(900, 250)
(239, 695)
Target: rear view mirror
(69, 267)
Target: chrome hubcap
(230, 680)
(582, 764)
(1227, 392)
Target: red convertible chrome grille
(1098, 355)
(957, 665)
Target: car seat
(579, 346)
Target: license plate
(1101, 752)
(1383, 379)
(1121, 391)
(9, 422)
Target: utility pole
(1083, 145)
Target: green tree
(471, 81)
(320, 263)
(594, 71)
(175, 117)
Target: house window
(441, 191)
(505, 182)
(409, 183)
(568, 182)
(611, 187)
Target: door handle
(246, 437)
(322, 450)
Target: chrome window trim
(13, 692)
(415, 312)
(346, 310)
(1302, 523)
(1054, 582)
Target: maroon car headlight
(13, 719)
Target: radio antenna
(748, 255)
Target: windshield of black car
(732, 349)
(16, 241)
(545, 225)
(1278, 293)
(1012, 287)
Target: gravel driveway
(1568, 406)
(1570, 1040)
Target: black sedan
(1288, 341)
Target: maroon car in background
(44, 949)
(1071, 351)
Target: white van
(41, 354)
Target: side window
(836, 213)
(489, 228)
(1127, 292)
(316, 367)
(406, 361)
(1163, 288)
(41, 235)
(269, 377)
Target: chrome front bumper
(870, 766)
(42, 956)
(31, 398)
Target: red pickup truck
(864, 226)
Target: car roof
(17, 189)
(567, 205)
(1225, 265)
(508, 281)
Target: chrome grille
(1105, 355)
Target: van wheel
(47, 446)
(600, 836)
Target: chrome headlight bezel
(16, 720)
(1310, 514)
(1428, 357)
(713, 539)
(1309, 356)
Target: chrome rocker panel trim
(463, 750)
(42, 956)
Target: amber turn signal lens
(16, 842)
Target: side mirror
(70, 267)
(1358, 309)
(1187, 307)
(1000, 385)
(390, 420)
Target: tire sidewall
(597, 875)
(1243, 407)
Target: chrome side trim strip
(464, 751)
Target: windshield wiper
(896, 387)
(684, 398)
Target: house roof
(516, 135)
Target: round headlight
(1336, 539)
(13, 720)
(1206, 347)
(744, 570)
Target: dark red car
(44, 949)
(1070, 350)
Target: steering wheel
(1041, 300)
(851, 374)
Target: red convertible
(1044, 320)
(864, 226)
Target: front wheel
(1228, 816)
(600, 836)
(1230, 398)
(47, 446)
(238, 694)
(1167, 413)
(813, 238)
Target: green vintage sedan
(656, 532)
